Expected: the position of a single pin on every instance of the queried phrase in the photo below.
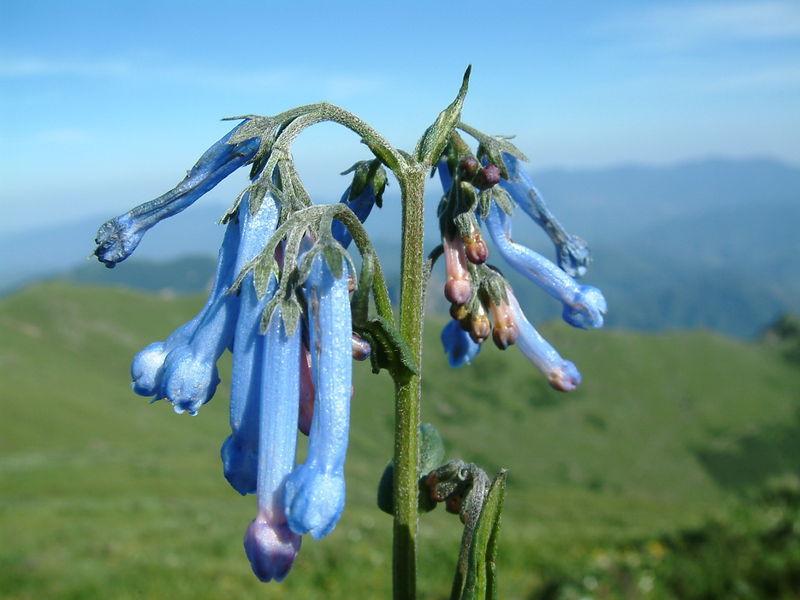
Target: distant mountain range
(711, 244)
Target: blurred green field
(105, 496)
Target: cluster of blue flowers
(476, 194)
(293, 343)
(283, 377)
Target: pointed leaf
(433, 141)
(481, 572)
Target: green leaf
(389, 349)
(480, 582)
(334, 259)
(432, 143)
(261, 276)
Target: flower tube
(572, 252)
(239, 451)
(315, 491)
(117, 238)
(269, 543)
(149, 368)
(584, 305)
(561, 374)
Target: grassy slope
(103, 492)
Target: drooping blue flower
(584, 305)
(572, 253)
(561, 374)
(458, 345)
(239, 451)
(183, 369)
(315, 490)
(270, 544)
(117, 238)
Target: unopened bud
(361, 348)
(458, 291)
(459, 312)
(480, 328)
(487, 177)
(476, 250)
(506, 330)
(458, 288)
(469, 166)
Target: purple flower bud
(271, 548)
(487, 177)
(458, 288)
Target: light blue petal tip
(587, 308)
(314, 501)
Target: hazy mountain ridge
(710, 243)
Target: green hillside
(101, 491)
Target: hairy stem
(408, 391)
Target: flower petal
(270, 545)
(240, 449)
(315, 491)
(583, 305)
(190, 372)
(561, 374)
(117, 238)
(572, 252)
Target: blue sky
(105, 105)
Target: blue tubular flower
(147, 369)
(584, 305)
(117, 238)
(458, 345)
(239, 451)
(361, 205)
(572, 252)
(315, 490)
(190, 370)
(561, 374)
(270, 544)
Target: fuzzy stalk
(408, 391)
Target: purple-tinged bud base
(271, 549)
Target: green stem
(408, 391)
